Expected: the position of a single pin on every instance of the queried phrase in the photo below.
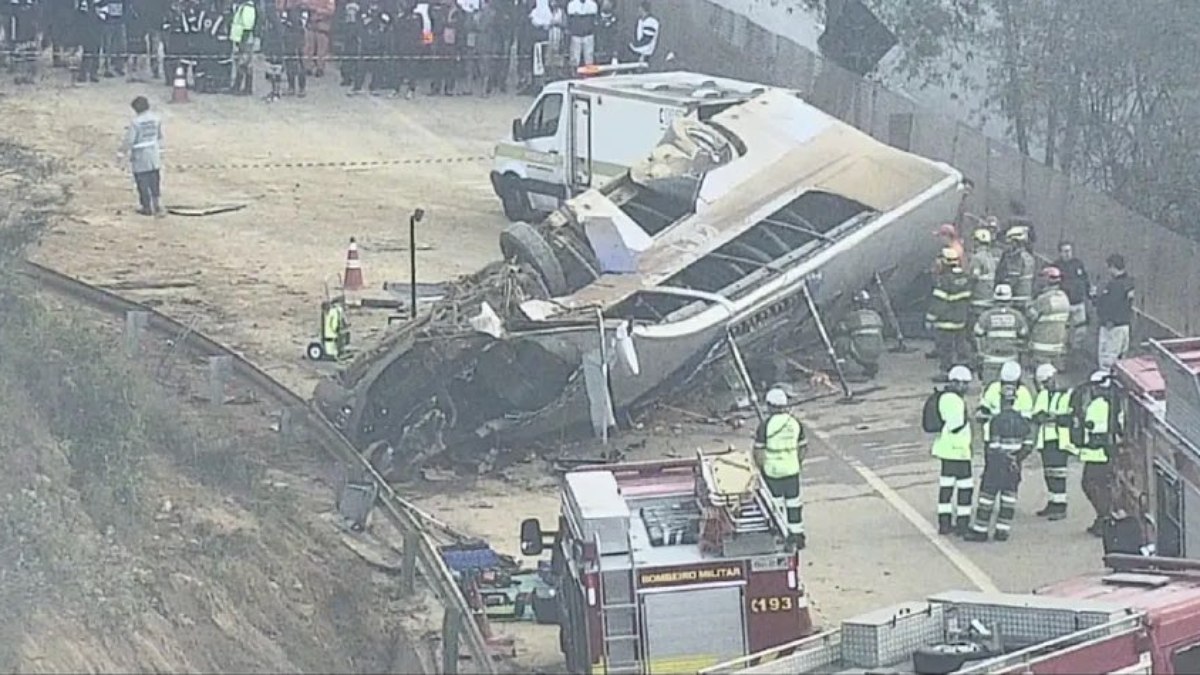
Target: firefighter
(241, 36)
(1049, 319)
(1052, 414)
(1017, 266)
(1000, 334)
(1099, 427)
(983, 272)
(948, 309)
(952, 448)
(1009, 442)
(335, 336)
(779, 449)
(860, 336)
(948, 235)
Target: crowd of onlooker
(379, 46)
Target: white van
(582, 133)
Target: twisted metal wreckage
(627, 291)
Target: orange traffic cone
(179, 92)
(353, 278)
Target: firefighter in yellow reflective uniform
(952, 448)
(1052, 413)
(1017, 266)
(1000, 335)
(1102, 423)
(989, 401)
(948, 311)
(1049, 316)
(982, 270)
(779, 449)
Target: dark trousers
(148, 184)
(1054, 470)
(1097, 487)
(297, 78)
(1000, 480)
(951, 347)
(90, 38)
(955, 477)
(786, 492)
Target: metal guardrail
(831, 640)
(419, 552)
(1043, 650)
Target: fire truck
(1158, 465)
(670, 566)
(1143, 616)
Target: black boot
(1047, 510)
(1096, 529)
(975, 535)
(1000, 536)
(944, 525)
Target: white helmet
(1010, 371)
(1045, 372)
(776, 398)
(1101, 377)
(1003, 293)
(959, 374)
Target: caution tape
(19, 53)
(303, 164)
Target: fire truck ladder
(619, 615)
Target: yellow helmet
(950, 255)
(1018, 233)
(983, 235)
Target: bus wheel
(523, 243)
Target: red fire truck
(1159, 462)
(1142, 617)
(670, 566)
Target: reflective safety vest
(1053, 409)
(1008, 433)
(951, 297)
(1000, 334)
(865, 327)
(785, 436)
(333, 321)
(1049, 315)
(954, 441)
(989, 404)
(983, 277)
(1099, 437)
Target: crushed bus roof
(679, 87)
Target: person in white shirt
(581, 24)
(645, 36)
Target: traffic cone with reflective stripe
(353, 278)
(179, 93)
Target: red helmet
(947, 230)
(1052, 274)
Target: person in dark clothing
(1010, 440)
(607, 29)
(1077, 286)
(348, 40)
(293, 53)
(23, 26)
(376, 25)
(144, 33)
(449, 46)
(89, 32)
(405, 47)
(113, 42)
(60, 18)
(273, 49)
(212, 50)
(1114, 310)
(494, 45)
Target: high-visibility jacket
(242, 27)
(1016, 269)
(1052, 412)
(949, 307)
(333, 323)
(1049, 316)
(1099, 430)
(1000, 334)
(983, 277)
(989, 403)
(954, 441)
(865, 328)
(783, 442)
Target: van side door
(543, 137)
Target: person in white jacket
(645, 36)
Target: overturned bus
(628, 290)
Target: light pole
(415, 218)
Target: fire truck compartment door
(691, 629)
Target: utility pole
(415, 218)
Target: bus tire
(514, 198)
(523, 243)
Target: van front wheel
(514, 198)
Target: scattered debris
(198, 211)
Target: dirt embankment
(141, 533)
